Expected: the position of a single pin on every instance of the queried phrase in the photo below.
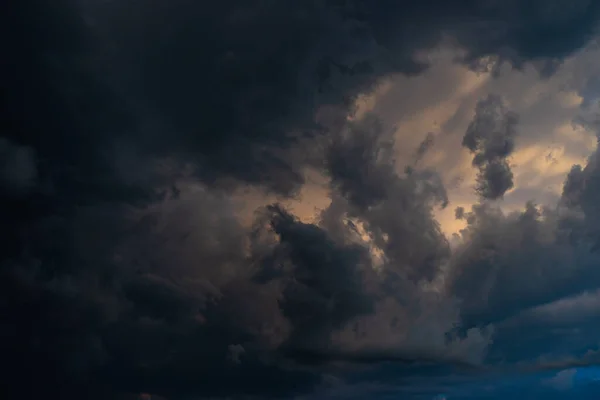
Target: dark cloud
(509, 267)
(494, 179)
(253, 88)
(491, 138)
(581, 194)
(511, 262)
(424, 146)
(360, 162)
(327, 288)
(492, 132)
(124, 265)
(396, 210)
(19, 169)
(528, 273)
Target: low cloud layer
(132, 135)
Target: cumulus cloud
(128, 131)
(512, 267)
(497, 246)
(490, 137)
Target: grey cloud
(116, 280)
(360, 162)
(19, 169)
(195, 85)
(581, 194)
(516, 261)
(396, 209)
(395, 213)
(424, 146)
(565, 328)
(510, 263)
(327, 289)
(235, 352)
(490, 137)
(494, 179)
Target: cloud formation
(129, 132)
(491, 138)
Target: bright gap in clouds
(440, 104)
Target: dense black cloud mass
(326, 290)
(491, 138)
(124, 265)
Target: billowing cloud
(490, 137)
(132, 134)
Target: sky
(317, 199)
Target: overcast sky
(300, 199)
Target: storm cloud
(129, 131)
(491, 138)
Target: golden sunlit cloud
(446, 95)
